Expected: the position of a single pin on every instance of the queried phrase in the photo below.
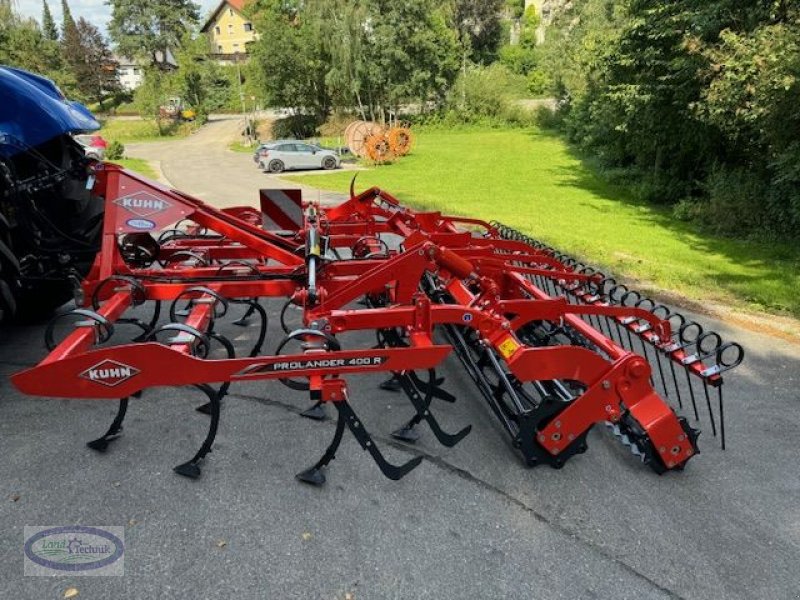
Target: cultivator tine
(315, 476)
(114, 431)
(347, 417)
(422, 406)
(393, 472)
(191, 469)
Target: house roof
(237, 5)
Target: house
(229, 30)
(130, 71)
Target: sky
(95, 11)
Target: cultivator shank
(553, 346)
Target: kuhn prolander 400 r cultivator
(553, 346)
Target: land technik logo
(74, 549)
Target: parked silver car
(276, 157)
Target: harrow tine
(114, 431)
(675, 383)
(710, 411)
(721, 417)
(191, 469)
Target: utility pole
(247, 132)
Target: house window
(217, 29)
(135, 70)
(248, 27)
(230, 29)
(230, 12)
(220, 49)
(236, 46)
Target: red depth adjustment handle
(455, 264)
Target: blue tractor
(50, 222)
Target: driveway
(202, 166)
(470, 522)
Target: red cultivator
(552, 345)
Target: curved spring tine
(255, 307)
(191, 468)
(114, 431)
(393, 472)
(223, 389)
(422, 406)
(104, 328)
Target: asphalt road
(470, 522)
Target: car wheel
(329, 163)
(276, 166)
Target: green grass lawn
(530, 180)
(244, 149)
(139, 165)
(137, 130)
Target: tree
(695, 99)
(478, 25)
(200, 81)
(23, 45)
(73, 51)
(96, 73)
(289, 60)
(151, 29)
(48, 23)
(324, 54)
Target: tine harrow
(553, 346)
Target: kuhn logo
(143, 204)
(110, 373)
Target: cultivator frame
(548, 342)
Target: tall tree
(71, 41)
(478, 23)
(22, 44)
(150, 29)
(48, 23)
(96, 72)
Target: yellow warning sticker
(508, 346)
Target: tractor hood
(33, 111)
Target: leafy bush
(518, 59)
(115, 150)
(488, 95)
(539, 83)
(295, 126)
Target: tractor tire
(276, 166)
(329, 163)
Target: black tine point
(205, 408)
(390, 385)
(100, 444)
(315, 413)
(312, 476)
(406, 434)
(241, 322)
(189, 469)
